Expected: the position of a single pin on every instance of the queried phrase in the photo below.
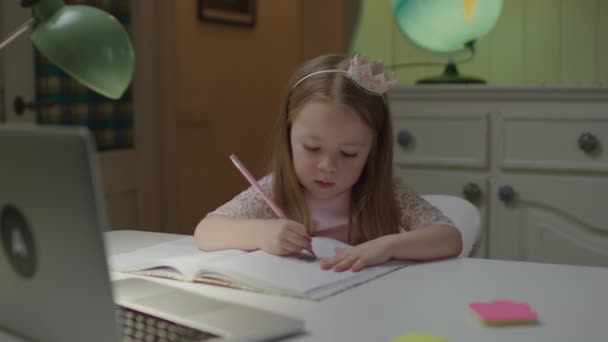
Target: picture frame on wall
(233, 12)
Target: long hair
(373, 206)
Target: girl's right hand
(283, 237)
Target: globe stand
(451, 75)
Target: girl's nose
(327, 164)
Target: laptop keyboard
(140, 326)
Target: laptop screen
(55, 284)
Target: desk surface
(572, 301)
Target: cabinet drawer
(441, 139)
(551, 218)
(468, 185)
(553, 142)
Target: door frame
(153, 31)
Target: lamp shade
(87, 43)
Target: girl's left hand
(370, 253)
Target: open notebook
(297, 276)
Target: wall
(534, 42)
(226, 83)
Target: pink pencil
(275, 208)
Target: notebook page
(293, 273)
(181, 253)
(326, 247)
(359, 278)
(191, 265)
(179, 247)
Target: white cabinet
(553, 218)
(531, 158)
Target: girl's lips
(323, 184)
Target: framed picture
(235, 12)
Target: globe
(447, 28)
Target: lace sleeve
(248, 204)
(415, 212)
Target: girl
(331, 173)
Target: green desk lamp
(87, 43)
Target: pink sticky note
(503, 311)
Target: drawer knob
(588, 142)
(404, 138)
(506, 193)
(472, 192)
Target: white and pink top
(330, 216)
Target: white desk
(572, 301)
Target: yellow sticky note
(419, 337)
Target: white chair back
(465, 216)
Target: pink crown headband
(369, 75)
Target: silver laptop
(54, 282)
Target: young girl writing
(331, 173)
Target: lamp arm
(19, 31)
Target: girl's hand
(283, 237)
(370, 253)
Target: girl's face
(330, 145)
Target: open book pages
(297, 276)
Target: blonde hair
(373, 206)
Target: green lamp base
(451, 76)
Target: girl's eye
(311, 148)
(348, 155)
